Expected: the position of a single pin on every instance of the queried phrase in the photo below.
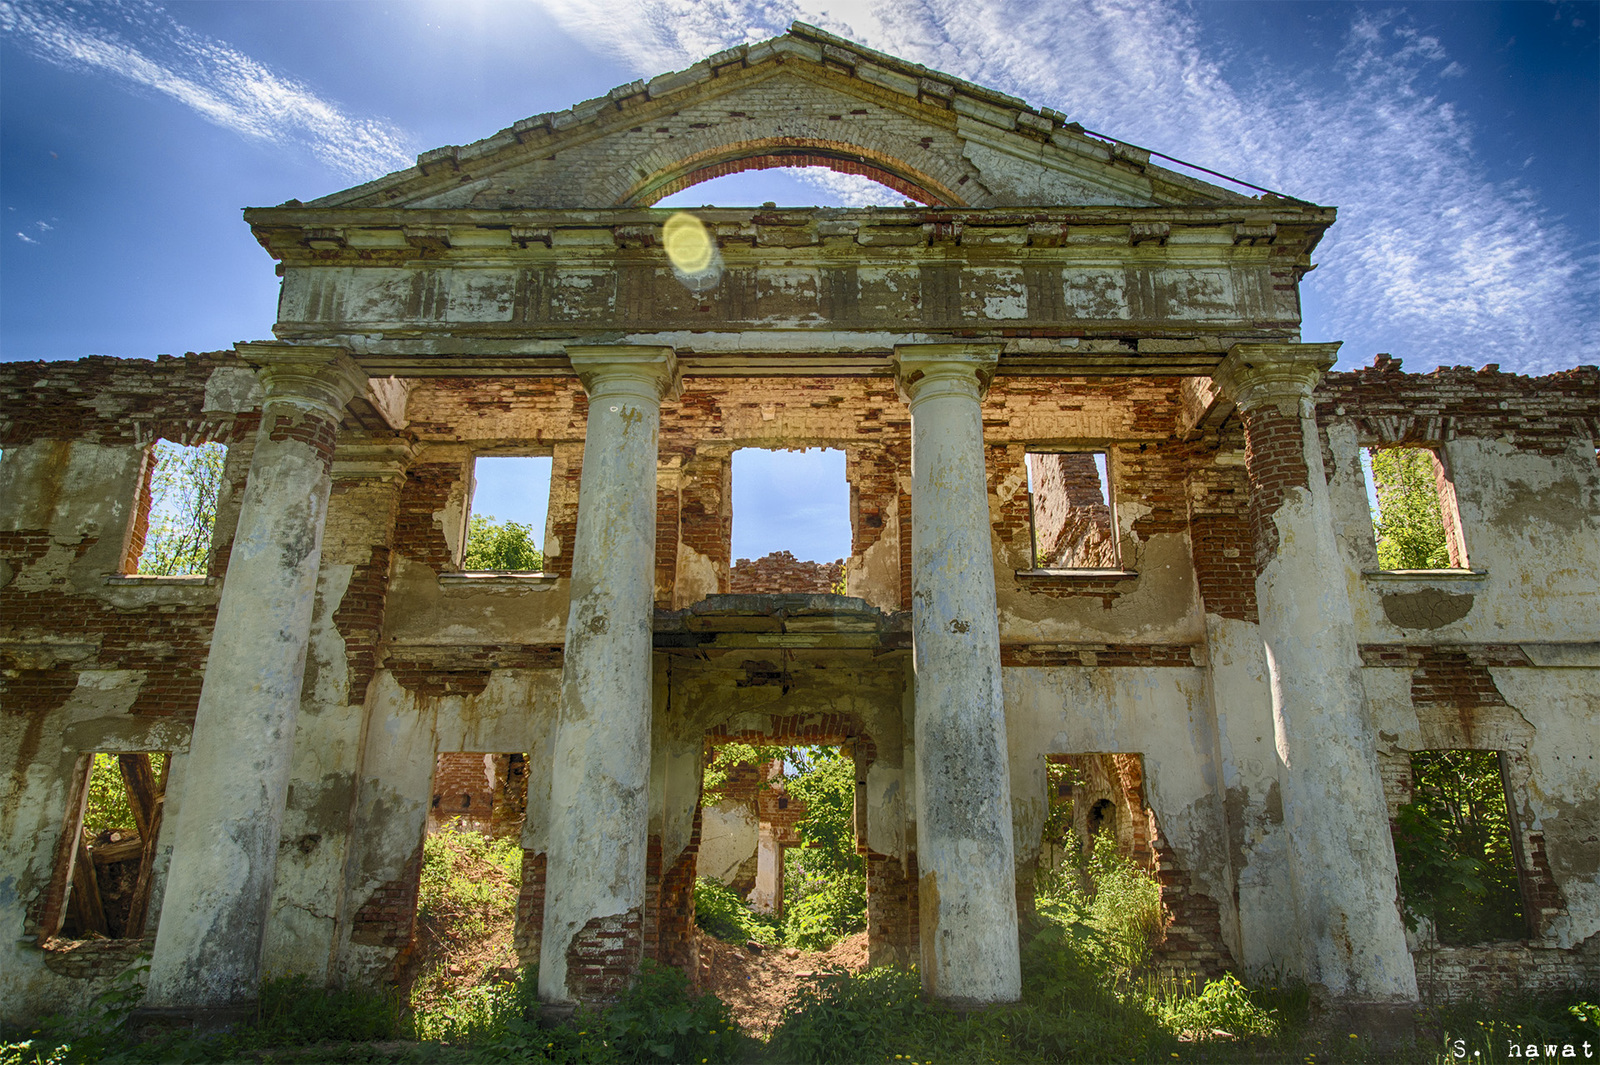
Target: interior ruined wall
(410, 658)
(91, 660)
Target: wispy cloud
(1431, 259)
(140, 44)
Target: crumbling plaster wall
(91, 659)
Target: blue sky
(1461, 141)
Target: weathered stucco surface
(1248, 683)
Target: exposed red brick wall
(1540, 414)
(308, 427)
(528, 930)
(105, 400)
(1275, 461)
(604, 957)
(893, 913)
(359, 619)
(1221, 535)
(782, 572)
(388, 916)
(417, 534)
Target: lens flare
(687, 243)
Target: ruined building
(1105, 504)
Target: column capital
(322, 375)
(959, 366)
(1254, 375)
(627, 368)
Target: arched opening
(776, 152)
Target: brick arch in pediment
(770, 152)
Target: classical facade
(1207, 623)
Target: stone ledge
(1426, 576)
(1112, 574)
(500, 579)
(162, 580)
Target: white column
(600, 778)
(1341, 859)
(225, 839)
(966, 889)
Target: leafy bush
(1224, 1006)
(721, 913)
(827, 914)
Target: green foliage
(1058, 822)
(451, 885)
(476, 1013)
(26, 1053)
(1409, 523)
(107, 806)
(656, 1020)
(826, 784)
(500, 547)
(183, 508)
(1108, 908)
(728, 755)
(1225, 1006)
(721, 913)
(827, 914)
(825, 888)
(1453, 846)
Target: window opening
(1454, 848)
(1412, 502)
(176, 513)
(506, 522)
(1071, 506)
(111, 847)
(789, 186)
(791, 514)
(469, 886)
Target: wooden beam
(86, 904)
(139, 903)
(140, 783)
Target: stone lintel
(322, 375)
(917, 364)
(1255, 374)
(627, 368)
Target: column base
(1385, 1025)
(195, 1018)
(553, 1014)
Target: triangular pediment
(806, 98)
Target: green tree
(183, 508)
(496, 546)
(825, 883)
(1408, 521)
(1452, 843)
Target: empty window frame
(791, 521)
(1413, 504)
(175, 516)
(506, 516)
(1455, 844)
(1074, 520)
(107, 857)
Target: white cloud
(1431, 259)
(141, 44)
(25, 238)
